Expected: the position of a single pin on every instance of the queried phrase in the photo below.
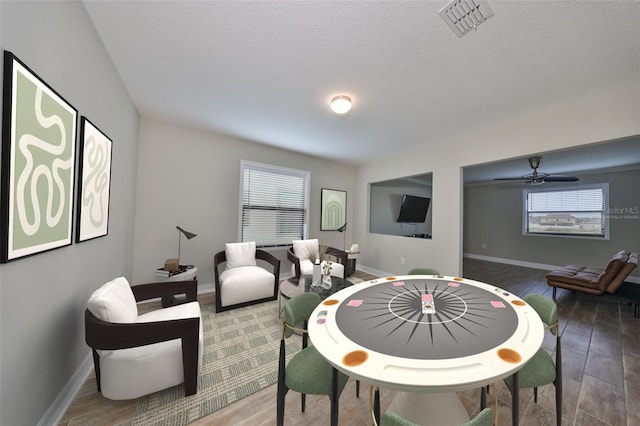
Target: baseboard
(533, 265)
(206, 288)
(285, 276)
(513, 262)
(373, 271)
(60, 405)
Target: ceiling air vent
(463, 16)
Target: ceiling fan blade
(514, 178)
(560, 178)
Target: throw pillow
(114, 302)
(240, 254)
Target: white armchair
(304, 252)
(244, 280)
(135, 355)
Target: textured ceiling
(265, 71)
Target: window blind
(577, 212)
(584, 200)
(274, 204)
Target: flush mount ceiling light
(341, 104)
(463, 16)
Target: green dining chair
(483, 418)
(541, 369)
(424, 271)
(307, 372)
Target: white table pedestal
(425, 409)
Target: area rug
(240, 357)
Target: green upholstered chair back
(424, 271)
(546, 308)
(392, 419)
(484, 418)
(298, 309)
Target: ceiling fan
(537, 178)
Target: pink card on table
(355, 303)
(497, 304)
(452, 284)
(398, 283)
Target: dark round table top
(427, 319)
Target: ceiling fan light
(534, 162)
(341, 104)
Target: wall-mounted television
(413, 209)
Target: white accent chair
(135, 355)
(244, 280)
(304, 252)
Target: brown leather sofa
(594, 280)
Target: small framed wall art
(94, 171)
(38, 160)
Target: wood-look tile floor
(601, 372)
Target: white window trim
(244, 164)
(605, 209)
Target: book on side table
(161, 272)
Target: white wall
(582, 121)
(191, 178)
(43, 297)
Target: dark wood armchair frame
(268, 258)
(103, 335)
(340, 255)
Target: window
(579, 211)
(273, 204)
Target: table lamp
(187, 234)
(174, 264)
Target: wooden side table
(189, 274)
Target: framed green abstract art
(334, 209)
(95, 181)
(38, 157)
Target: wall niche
(397, 206)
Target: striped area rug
(240, 357)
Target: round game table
(427, 337)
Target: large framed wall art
(334, 209)
(94, 183)
(38, 158)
